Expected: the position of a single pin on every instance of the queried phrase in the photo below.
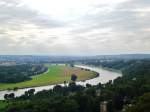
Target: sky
(74, 27)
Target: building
(103, 106)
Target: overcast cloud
(74, 27)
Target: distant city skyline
(74, 27)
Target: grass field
(55, 74)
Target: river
(105, 76)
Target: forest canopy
(19, 73)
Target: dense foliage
(141, 105)
(129, 93)
(19, 73)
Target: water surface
(105, 76)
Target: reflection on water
(105, 76)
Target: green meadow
(56, 74)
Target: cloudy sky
(74, 27)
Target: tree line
(129, 93)
(19, 73)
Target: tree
(142, 105)
(65, 83)
(70, 105)
(31, 92)
(9, 96)
(88, 85)
(58, 89)
(6, 96)
(73, 77)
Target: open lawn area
(56, 74)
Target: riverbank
(110, 69)
(104, 77)
(105, 68)
(56, 74)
